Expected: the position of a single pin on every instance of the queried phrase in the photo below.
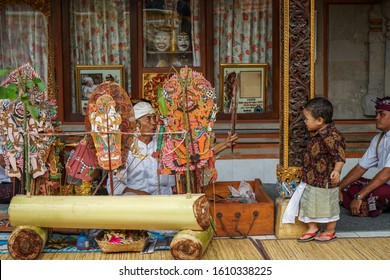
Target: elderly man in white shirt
(140, 176)
(353, 188)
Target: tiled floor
(356, 234)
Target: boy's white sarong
(292, 208)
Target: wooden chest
(235, 219)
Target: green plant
(22, 90)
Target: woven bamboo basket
(123, 246)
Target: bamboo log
(191, 245)
(154, 212)
(27, 242)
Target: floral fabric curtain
(243, 34)
(23, 39)
(100, 35)
(195, 32)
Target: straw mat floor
(218, 249)
(340, 249)
(377, 248)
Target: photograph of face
(161, 41)
(88, 83)
(89, 77)
(183, 42)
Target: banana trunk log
(27, 242)
(191, 245)
(151, 212)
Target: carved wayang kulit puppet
(191, 108)
(16, 123)
(110, 117)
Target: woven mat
(66, 243)
(374, 248)
(57, 243)
(218, 249)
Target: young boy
(322, 164)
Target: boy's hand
(335, 177)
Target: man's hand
(341, 194)
(355, 206)
(231, 140)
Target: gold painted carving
(312, 46)
(150, 84)
(287, 180)
(288, 174)
(286, 88)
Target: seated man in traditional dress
(140, 175)
(356, 191)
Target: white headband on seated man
(142, 109)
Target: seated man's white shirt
(381, 159)
(141, 174)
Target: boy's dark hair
(320, 107)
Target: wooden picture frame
(251, 90)
(88, 77)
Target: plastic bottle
(82, 241)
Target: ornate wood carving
(297, 88)
(299, 91)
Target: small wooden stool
(284, 231)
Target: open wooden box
(234, 219)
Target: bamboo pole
(154, 212)
(190, 244)
(27, 242)
(184, 105)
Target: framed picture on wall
(88, 77)
(250, 89)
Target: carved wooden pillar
(297, 73)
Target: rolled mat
(146, 212)
(190, 244)
(27, 242)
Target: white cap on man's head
(142, 108)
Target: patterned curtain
(195, 32)
(100, 35)
(243, 34)
(23, 39)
